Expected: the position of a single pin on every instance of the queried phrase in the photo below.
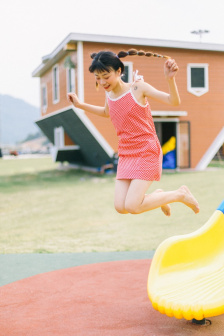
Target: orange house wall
(47, 79)
(205, 113)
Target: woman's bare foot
(165, 208)
(188, 199)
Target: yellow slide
(186, 277)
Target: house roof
(58, 52)
(91, 148)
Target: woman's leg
(137, 201)
(165, 208)
(121, 189)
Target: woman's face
(108, 80)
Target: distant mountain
(17, 119)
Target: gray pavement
(14, 267)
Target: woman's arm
(102, 111)
(171, 98)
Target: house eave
(59, 52)
(52, 58)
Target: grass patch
(217, 163)
(44, 210)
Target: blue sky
(30, 29)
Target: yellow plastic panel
(170, 145)
(186, 277)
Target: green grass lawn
(45, 210)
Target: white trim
(124, 94)
(166, 120)
(144, 41)
(137, 102)
(54, 152)
(212, 150)
(80, 71)
(130, 71)
(55, 101)
(169, 113)
(119, 97)
(44, 107)
(72, 79)
(56, 112)
(69, 147)
(197, 91)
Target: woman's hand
(136, 77)
(102, 111)
(72, 97)
(170, 68)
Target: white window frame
(130, 71)
(73, 88)
(44, 107)
(55, 100)
(59, 137)
(197, 91)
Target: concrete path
(15, 267)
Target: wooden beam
(70, 47)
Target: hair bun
(149, 54)
(122, 54)
(141, 53)
(132, 52)
(93, 55)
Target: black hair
(108, 61)
(105, 61)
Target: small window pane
(70, 80)
(44, 96)
(125, 75)
(59, 137)
(197, 77)
(55, 84)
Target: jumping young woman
(139, 150)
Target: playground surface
(85, 294)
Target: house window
(70, 72)
(55, 84)
(59, 139)
(197, 79)
(44, 97)
(127, 76)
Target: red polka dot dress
(139, 150)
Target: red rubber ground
(99, 299)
